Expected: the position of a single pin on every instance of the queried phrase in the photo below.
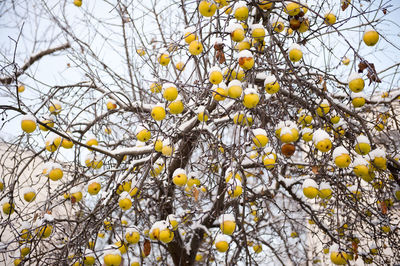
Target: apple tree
(256, 132)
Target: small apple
(28, 123)
(371, 37)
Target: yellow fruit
(176, 107)
(28, 126)
(251, 100)
(235, 91)
(170, 93)
(330, 19)
(260, 140)
(220, 93)
(144, 135)
(241, 13)
(94, 188)
(356, 85)
(265, 4)
(358, 102)
(202, 117)
(304, 26)
(310, 192)
(17, 262)
(195, 47)
(324, 145)
(55, 108)
(222, 246)
(216, 77)
(307, 136)
(180, 66)
(257, 248)
(56, 174)
(167, 150)
(237, 35)
(78, 3)
(339, 258)
(243, 45)
(295, 55)
(342, 161)
(371, 37)
(91, 142)
(246, 63)
(164, 59)
(292, 9)
(278, 26)
(140, 52)
(8, 208)
(190, 37)
(258, 34)
(335, 119)
(112, 259)
(199, 257)
(207, 9)
(237, 191)
(47, 122)
(158, 113)
(132, 237)
(269, 162)
(89, 260)
(45, 231)
(362, 148)
(77, 196)
(21, 88)
(228, 227)
(30, 196)
(166, 236)
(125, 204)
(155, 87)
(345, 61)
(180, 180)
(325, 193)
(323, 109)
(67, 144)
(272, 87)
(111, 105)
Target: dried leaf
(73, 199)
(146, 247)
(345, 4)
(195, 194)
(384, 11)
(362, 65)
(220, 56)
(384, 207)
(373, 77)
(355, 249)
(315, 169)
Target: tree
(200, 132)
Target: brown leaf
(146, 247)
(362, 65)
(315, 169)
(373, 77)
(219, 46)
(384, 11)
(384, 207)
(345, 4)
(220, 56)
(73, 199)
(195, 194)
(355, 249)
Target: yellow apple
(330, 19)
(371, 37)
(207, 9)
(195, 47)
(28, 123)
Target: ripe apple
(371, 37)
(271, 85)
(195, 47)
(292, 9)
(94, 188)
(295, 53)
(241, 11)
(166, 236)
(164, 59)
(28, 123)
(330, 19)
(78, 3)
(207, 9)
(170, 92)
(158, 112)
